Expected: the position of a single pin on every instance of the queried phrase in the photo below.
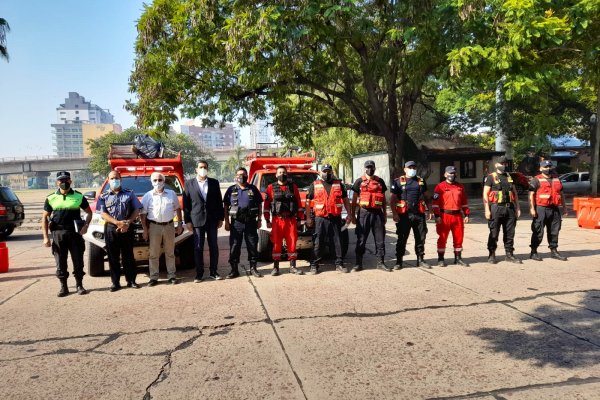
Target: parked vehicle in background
(135, 175)
(12, 212)
(576, 182)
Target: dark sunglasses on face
(157, 180)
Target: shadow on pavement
(544, 343)
(23, 277)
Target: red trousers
(284, 228)
(454, 223)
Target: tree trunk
(400, 148)
(595, 142)
(503, 142)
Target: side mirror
(90, 195)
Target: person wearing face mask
(328, 196)
(241, 206)
(120, 208)
(161, 206)
(369, 195)
(501, 206)
(203, 214)
(62, 215)
(545, 196)
(410, 200)
(451, 210)
(283, 201)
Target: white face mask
(202, 172)
(411, 173)
(158, 185)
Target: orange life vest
(328, 205)
(402, 205)
(371, 193)
(548, 194)
(496, 193)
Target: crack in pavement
(20, 291)
(497, 392)
(573, 305)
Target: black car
(12, 213)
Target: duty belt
(160, 223)
(451, 212)
(504, 204)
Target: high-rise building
(68, 138)
(94, 131)
(225, 138)
(262, 135)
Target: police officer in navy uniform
(119, 208)
(242, 203)
(501, 206)
(62, 215)
(545, 196)
(328, 195)
(369, 200)
(410, 200)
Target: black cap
(63, 175)
(326, 167)
(410, 164)
(546, 163)
(369, 163)
(502, 160)
(451, 168)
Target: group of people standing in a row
(205, 210)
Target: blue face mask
(114, 184)
(411, 173)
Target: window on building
(467, 169)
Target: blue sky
(62, 46)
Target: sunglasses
(157, 180)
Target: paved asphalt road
(506, 331)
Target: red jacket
(451, 197)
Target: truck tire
(95, 260)
(265, 247)
(6, 231)
(185, 253)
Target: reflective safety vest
(371, 193)
(497, 192)
(284, 203)
(246, 213)
(548, 194)
(328, 205)
(402, 204)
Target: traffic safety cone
(3, 257)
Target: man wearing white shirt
(160, 207)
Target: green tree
(191, 153)
(233, 163)
(4, 29)
(322, 64)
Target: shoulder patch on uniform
(436, 196)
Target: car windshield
(302, 179)
(142, 185)
(7, 195)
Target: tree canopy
(4, 29)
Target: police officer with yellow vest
(328, 195)
(501, 205)
(242, 203)
(369, 194)
(545, 196)
(409, 208)
(63, 216)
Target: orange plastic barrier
(3, 257)
(588, 212)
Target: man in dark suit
(203, 214)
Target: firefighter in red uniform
(283, 200)
(329, 196)
(369, 193)
(451, 212)
(545, 196)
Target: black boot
(510, 257)
(398, 265)
(235, 272)
(534, 255)
(422, 263)
(492, 258)
(79, 286)
(254, 271)
(556, 255)
(275, 271)
(441, 262)
(358, 264)
(293, 269)
(458, 259)
(64, 289)
(381, 265)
